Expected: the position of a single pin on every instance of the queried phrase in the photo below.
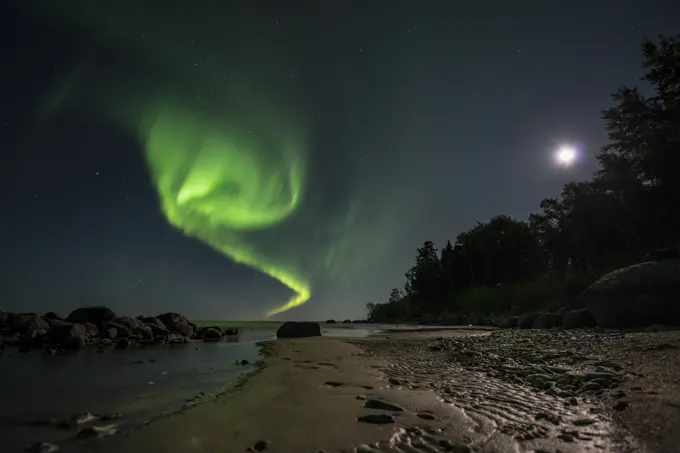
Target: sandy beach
(505, 391)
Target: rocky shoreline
(102, 328)
(568, 390)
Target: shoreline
(308, 394)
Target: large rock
(185, 329)
(636, 296)
(98, 316)
(157, 330)
(51, 315)
(172, 320)
(155, 321)
(130, 323)
(68, 335)
(121, 330)
(211, 334)
(22, 322)
(292, 329)
(577, 319)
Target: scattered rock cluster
(100, 326)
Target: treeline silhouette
(628, 208)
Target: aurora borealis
(215, 185)
(251, 158)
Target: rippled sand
(505, 391)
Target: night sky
(201, 156)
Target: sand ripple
(487, 414)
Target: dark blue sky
(429, 116)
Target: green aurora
(213, 185)
(226, 144)
(223, 171)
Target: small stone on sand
(382, 405)
(261, 445)
(377, 419)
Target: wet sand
(456, 391)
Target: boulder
(636, 296)
(66, 334)
(51, 315)
(330, 321)
(98, 316)
(346, 321)
(231, 331)
(157, 330)
(130, 323)
(144, 332)
(108, 333)
(91, 330)
(171, 320)
(211, 334)
(185, 329)
(22, 322)
(547, 320)
(35, 327)
(527, 321)
(155, 321)
(122, 343)
(122, 330)
(293, 329)
(578, 319)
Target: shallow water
(139, 383)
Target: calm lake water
(139, 383)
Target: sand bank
(312, 393)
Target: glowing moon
(566, 155)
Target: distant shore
(440, 391)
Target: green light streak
(214, 185)
(229, 169)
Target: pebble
(261, 445)
(426, 416)
(583, 422)
(377, 419)
(382, 405)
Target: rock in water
(211, 334)
(68, 335)
(293, 329)
(636, 296)
(96, 315)
(172, 320)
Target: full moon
(566, 155)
